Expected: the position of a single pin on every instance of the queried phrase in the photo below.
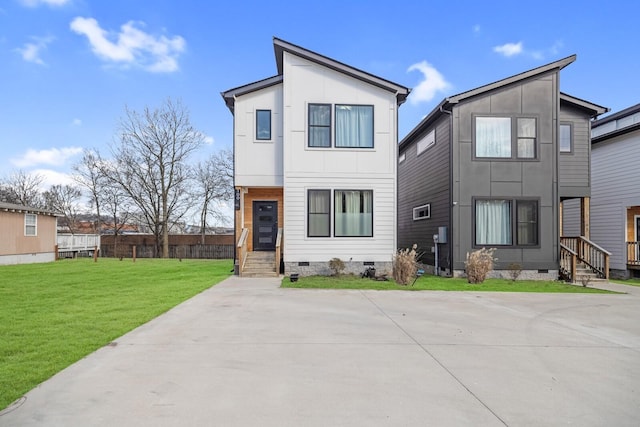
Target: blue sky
(69, 67)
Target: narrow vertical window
(527, 220)
(319, 125)
(30, 224)
(526, 138)
(565, 138)
(353, 213)
(318, 213)
(263, 125)
(354, 126)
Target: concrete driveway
(247, 353)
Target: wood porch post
(585, 207)
(560, 219)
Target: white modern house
(315, 155)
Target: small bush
(515, 270)
(337, 266)
(405, 265)
(478, 264)
(585, 280)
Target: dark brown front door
(265, 225)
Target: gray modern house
(489, 167)
(615, 193)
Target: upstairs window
(319, 125)
(354, 126)
(30, 224)
(565, 139)
(426, 142)
(501, 137)
(263, 125)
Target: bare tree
(65, 200)
(23, 188)
(89, 174)
(150, 163)
(214, 182)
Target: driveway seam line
(434, 358)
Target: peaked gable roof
(280, 46)
(447, 103)
(592, 109)
(12, 207)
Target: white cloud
(36, 3)
(53, 156)
(76, 122)
(476, 29)
(131, 46)
(51, 177)
(509, 49)
(432, 83)
(208, 140)
(30, 52)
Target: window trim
(329, 192)
(257, 136)
(418, 208)
(514, 138)
(570, 125)
(513, 204)
(34, 225)
(309, 125)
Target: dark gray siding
(425, 179)
(574, 168)
(509, 178)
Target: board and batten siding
(336, 168)
(425, 179)
(258, 163)
(615, 187)
(574, 178)
(508, 179)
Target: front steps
(260, 264)
(585, 276)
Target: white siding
(258, 163)
(307, 82)
(614, 188)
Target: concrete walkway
(247, 353)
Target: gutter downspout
(451, 205)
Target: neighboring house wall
(18, 248)
(424, 179)
(332, 168)
(615, 188)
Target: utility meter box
(442, 234)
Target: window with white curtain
(501, 137)
(353, 213)
(319, 212)
(354, 126)
(495, 220)
(493, 137)
(30, 225)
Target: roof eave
(553, 66)
(593, 109)
(230, 95)
(280, 46)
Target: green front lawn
(436, 283)
(632, 282)
(53, 314)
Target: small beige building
(27, 235)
